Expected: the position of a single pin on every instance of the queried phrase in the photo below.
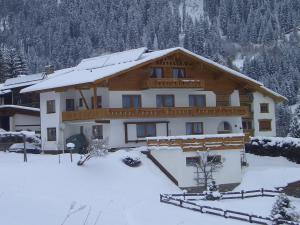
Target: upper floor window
(157, 72)
(165, 101)
(70, 104)
(178, 72)
(265, 125)
(51, 134)
(194, 128)
(51, 106)
(197, 101)
(97, 132)
(98, 102)
(131, 101)
(80, 102)
(264, 107)
(146, 130)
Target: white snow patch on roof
(22, 80)
(20, 107)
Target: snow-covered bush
(212, 192)
(275, 146)
(283, 210)
(132, 161)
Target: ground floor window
(214, 158)
(194, 128)
(224, 128)
(247, 124)
(192, 161)
(51, 134)
(265, 125)
(97, 132)
(146, 130)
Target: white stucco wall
(174, 160)
(259, 98)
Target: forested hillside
(259, 37)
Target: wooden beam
(95, 96)
(84, 100)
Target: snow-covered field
(110, 193)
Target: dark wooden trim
(95, 99)
(84, 100)
(102, 121)
(140, 122)
(163, 169)
(30, 125)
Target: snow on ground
(42, 191)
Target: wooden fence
(230, 214)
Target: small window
(178, 72)
(194, 128)
(70, 105)
(214, 158)
(224, 128)
(51, 134)
(247, 125)
(165, 101)
(264, 107)
(265, 125)
(50, 106)
(192, 161)
(99, 102)
(80, 102)
(197, 100)
(131, 101)
(97, 132)
(157, 72)
(146, 130)
(81, 129)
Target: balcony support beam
(84, 100)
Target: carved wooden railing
(120, 113)
(173, 83)
(199, 142)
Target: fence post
(250, 219)
(225, 214)
(25, 150)
(242, 192)
(262, 192)
(160, 197)
(180, 202)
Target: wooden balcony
(173, 83)
(120, 113)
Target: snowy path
(41, 191)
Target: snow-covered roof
(3, 92)
(22, 81)
(97, 68)
(20, 107)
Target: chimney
(49, 69)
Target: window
(178, 72)
(70, 105)
(131, 101)
(80, 102)
(191, 161)
(214, 158)
(197, 100)
(247, 125)
(51, 106)
(157, 72)
(265, 125)
(264, 107)
(165, 101)
(81, 129)
(99, 102)
(194, 128)
(51, 134)
(97, 132)
(146, 130)
(224, 128)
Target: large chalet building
(128, 96)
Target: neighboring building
(20, 111)
(131, 95)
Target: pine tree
(294, 130)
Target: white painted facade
(174, 161)
(19, 122)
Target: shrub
(274, 146)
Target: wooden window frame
(262, 105)
(132, 101)
(98, 106)
(195, 96)
(179, 68)
(145, 130)
(71, 108)
(48, 107)
(49, 138)
(154, 76)
(265, 120)
(193, 128)
(164, 101)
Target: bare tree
(207, 164)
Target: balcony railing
(173, 83)
(120, 113)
